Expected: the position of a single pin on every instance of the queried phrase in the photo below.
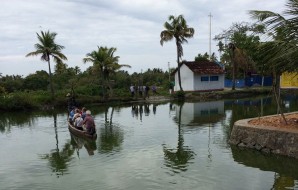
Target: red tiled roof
(204, 67)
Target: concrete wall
(266, 139)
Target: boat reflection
(78, 143)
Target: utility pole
(210, 35)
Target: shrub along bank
(41, 100)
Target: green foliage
(12, 83)
(90, 90)
(2, 90)
(281, 53)
(201, 57)
(179, 94)
(245, 54)
(17, 101)
(37, 81)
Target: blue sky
(131, 26)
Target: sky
(131, 26)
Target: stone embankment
(282, 141)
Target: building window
(204, 78)
(213, 78)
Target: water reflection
(285, 168)
(137, 110)
(201, 113)
(111, 136)
(20, 119)
(143, 109)
(178, 158)
(58, 160)
(78, 143)
(189, 139)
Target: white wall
(206, 85)
(187, 81)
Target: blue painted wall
(249, 81)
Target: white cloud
(133, 27)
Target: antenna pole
(210, 35)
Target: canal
(169, 145)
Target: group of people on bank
(82, 120)
(143, 91)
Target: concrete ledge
(267, 139)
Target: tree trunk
(179, 75)
(110, 88)
(51, 82)
(277, 96)
(233, 74)
(232, 57)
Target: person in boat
(78, 121)
(83, 113)
(77, 113)
(89, 123)
(72, 113)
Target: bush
(17, 101)
(179, 94)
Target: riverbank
(42, 100)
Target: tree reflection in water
(111, 136)
(17, 119)
(178, 159)
(285, 168)
(58, 160)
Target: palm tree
(77, 70)
(105, 62)
(220, 47)
(60, 68)
(281, 54)
(178, 29)
(284, 30)
(47, 48)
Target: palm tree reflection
(178, 159)
(58, 160)
(111, 136)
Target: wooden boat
(80, 133)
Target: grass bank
(41, 100)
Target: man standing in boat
(89, 123)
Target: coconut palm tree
(281, 53)
(105, 62)
(47, 48)
(284, 30)
(177, 28)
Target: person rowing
(89, 123)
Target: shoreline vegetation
(41, 100)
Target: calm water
(145, 146)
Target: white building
(200, 76)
